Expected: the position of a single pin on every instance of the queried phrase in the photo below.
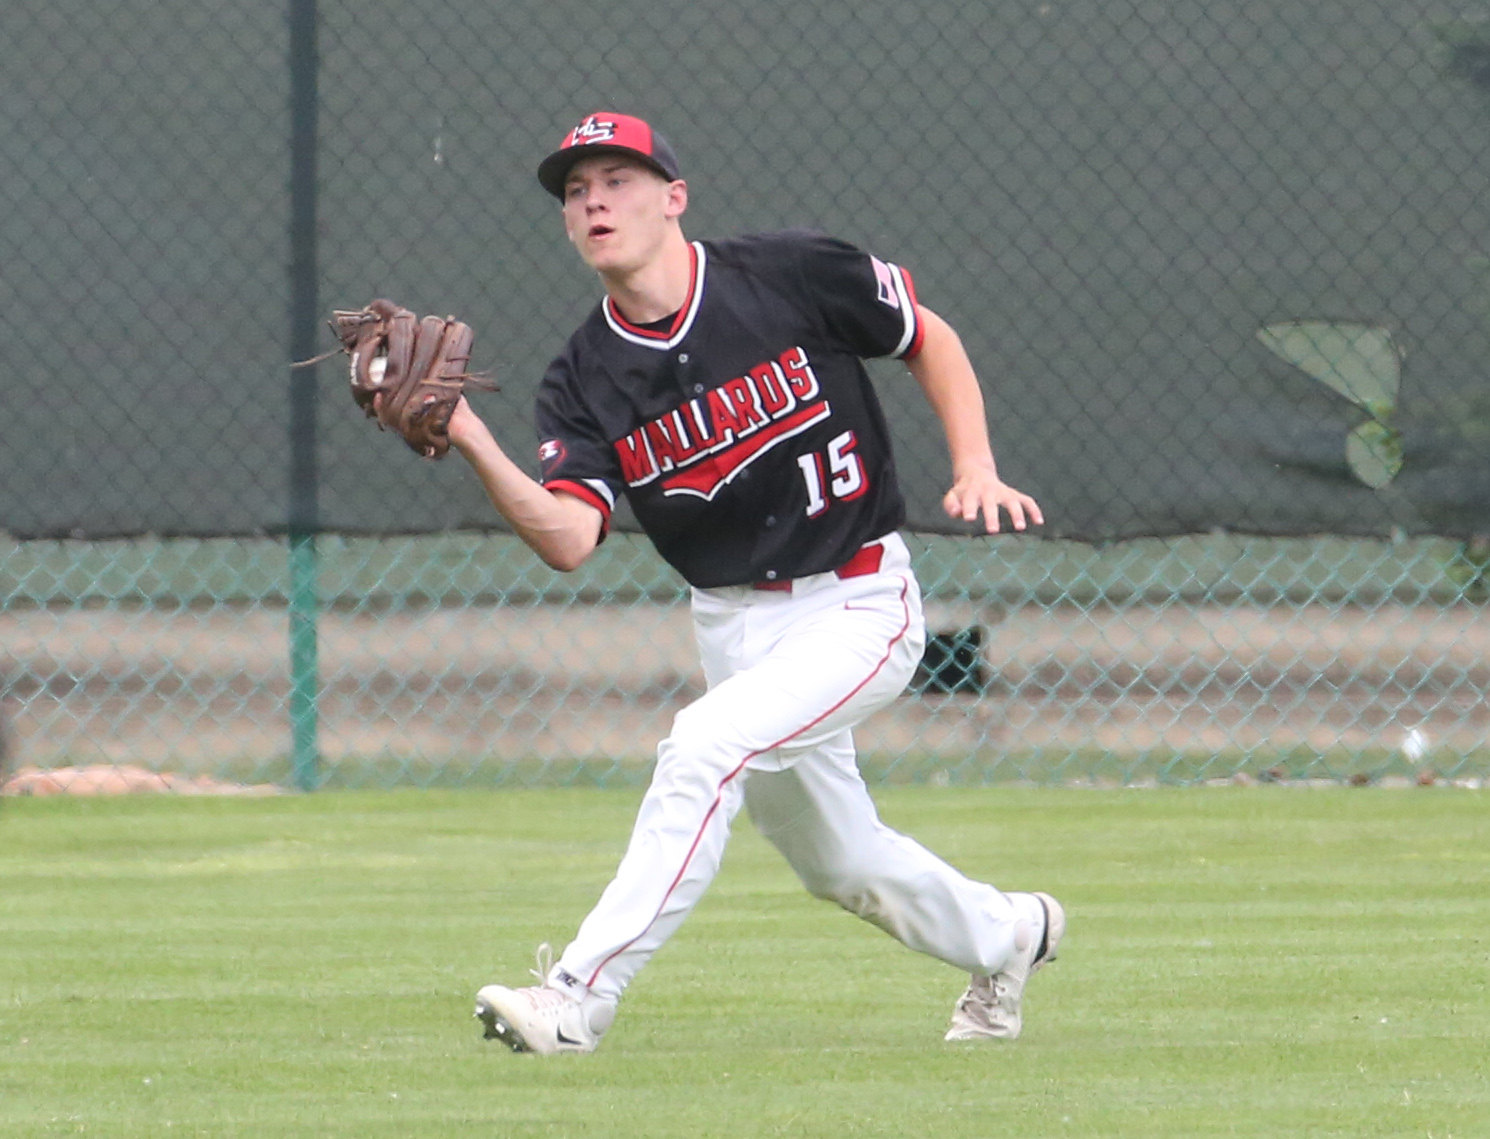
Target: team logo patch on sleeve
(550, 454)
(884, 277)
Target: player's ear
(677, 199)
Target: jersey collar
(682, 322)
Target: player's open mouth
(601, 231)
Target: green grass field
(1242, 962)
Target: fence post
(304, 320)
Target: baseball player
(719, 386)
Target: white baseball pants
(789, 674)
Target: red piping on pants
(723, 783)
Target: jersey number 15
(843, 478)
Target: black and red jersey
(743, 430)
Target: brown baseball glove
(417, 366)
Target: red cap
(607, 132)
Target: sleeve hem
(588, 496)
(918, 336)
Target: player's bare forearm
(559, 528)
(946, 375)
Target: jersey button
(682, 357)
(771, 520)
(698, 389)
(770, 575)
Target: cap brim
(554, 170)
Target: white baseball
(375, 369)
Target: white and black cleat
(494, 1027)
(535, 1019)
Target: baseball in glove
(417, 366)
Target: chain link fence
(1224, 268)
(459, 659)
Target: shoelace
(984, 993)
(545, 963)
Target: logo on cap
(592, 130)
(607, 130)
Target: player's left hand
(408, 374)
(981, 490)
